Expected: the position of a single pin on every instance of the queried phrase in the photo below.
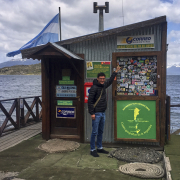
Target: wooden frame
(155, 98)
(132, 97)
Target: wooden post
(22, 122)
(37, 109)
(163, 83)
(18, 112)
(45, 99)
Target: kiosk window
(138, 76)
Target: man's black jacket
(95, 92)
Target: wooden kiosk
(62, 92)
(136, 101)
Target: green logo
(136, 120)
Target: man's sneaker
(102, 151)
(94, 153)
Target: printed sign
(136, 119)
(65, 112)
(95, 67)
(66, 91)
(135, 42)
(64, 103)
(66, 82)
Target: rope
(137, 154)
(142, 170)
(59, 145)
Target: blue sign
(65, 112)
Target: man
(97, 105)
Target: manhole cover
(142, 170)
(58, 145)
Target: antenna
(101, 8)
(122, 13)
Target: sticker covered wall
(136, 119)
(138, 76)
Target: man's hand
(118, 68)
(93, 116)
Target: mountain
(173, 70)
(15, 62)
(34, 69)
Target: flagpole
(60, 23)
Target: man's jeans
(97, 130)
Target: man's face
(101, 79)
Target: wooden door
(67, 118)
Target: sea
(15, 86)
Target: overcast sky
(22, 20)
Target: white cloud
(20, 20)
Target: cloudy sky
(22, 20)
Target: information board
(64, 103)
(66, 91)
(136, 119)
(65, 112)
(95, 67)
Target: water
(173, 90)
(13, 86)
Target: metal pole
(101, 20)
(60, 23)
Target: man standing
(97, 105)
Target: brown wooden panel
(163, 82)
(45, 100)
(65, 131)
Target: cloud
(20, 20)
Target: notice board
(95, 67)
(136, 119)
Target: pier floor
(34, 164)
(20, 135)
(172, 150)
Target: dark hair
(101, 74)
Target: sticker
(130, 93)
(131, 60)
(143, 58)
(120, 93)
(147, 61)
(136, 76)
(132, 87)
(66, 112)
(143, 87)
(124, 70)
(135, 62)
(148, 86)
(123, 89)
(139, 83)
(121, 63)
(124, 85)
(151, 83)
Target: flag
(48, 34)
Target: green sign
(66, 82)
(66, 78)
(95, 67)
(136, 119)
(64, 103)
(135, 46)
